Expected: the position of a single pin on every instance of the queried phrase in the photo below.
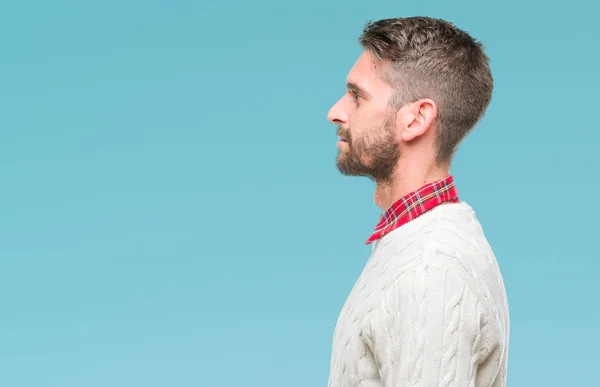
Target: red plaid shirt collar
(415, 204)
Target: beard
(375, 155)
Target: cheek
(373, 134)
(363, 126)
(359, 124)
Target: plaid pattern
(415, 204)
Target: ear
(419, 116)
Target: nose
(337, 114)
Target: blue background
(171, 214)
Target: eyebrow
(357, 89)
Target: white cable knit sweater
(429, 309)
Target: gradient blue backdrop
(171, 214)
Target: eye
(354, 94)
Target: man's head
(420, 86)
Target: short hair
(432, 58)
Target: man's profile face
(366, 124)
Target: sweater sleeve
(427, 331)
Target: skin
(394, 147)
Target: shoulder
(449, 236)
(444, 249)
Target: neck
(407, 179)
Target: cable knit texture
(429, 309)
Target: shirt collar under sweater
(415, 204)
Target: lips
(341, 133)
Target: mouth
(342, 136)
(342, 141)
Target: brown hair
(431, 58)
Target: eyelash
(354, 95)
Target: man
(430, 307)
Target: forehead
(367, 73)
